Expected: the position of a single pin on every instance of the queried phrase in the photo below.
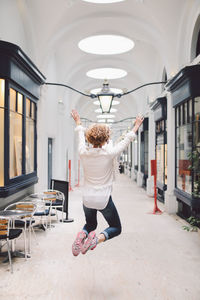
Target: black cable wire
(141, 86)
(114, 95)
(71, 88)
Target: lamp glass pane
(105, 102)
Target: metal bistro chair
(57, 202)
(26, 222)
(43, 211)
(7, 234)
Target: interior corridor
(153, 258)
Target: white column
(170, 199)
(150, 180)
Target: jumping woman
(98, 168)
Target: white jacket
(98, 168)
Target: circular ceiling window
(115, 102)
(103, 1)
(106, 44)
(105, 116)
(106, 73)
(99, 110)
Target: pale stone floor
(154, 258)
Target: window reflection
(30, 133)
(184, 146)
(15, 134)
(161, 151)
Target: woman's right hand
(76, 117)
(138, 122)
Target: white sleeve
(81, 138)
(117, 149)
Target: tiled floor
(153, 258)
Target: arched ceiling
(58, 26)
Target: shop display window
(161, 151)
(21, 113)
(135, 144)
(17, 135)
(30, 134)
(20, 82)
(185, 129)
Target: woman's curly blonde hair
(97, 134)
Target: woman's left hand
(138, 122)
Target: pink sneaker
(78, 243)
(90, 244)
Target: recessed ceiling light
(106, 73)
(113, 90)
(110, 120)
(105, 116)
(101, 121)
(103, 1)
(106, 44)
(115, 102)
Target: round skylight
(99, 110)
(105, 116)
(103, 1)
(115, 102)
(106, 73)
(106, 44)
(113, 90)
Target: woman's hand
(138, 123)
(76, 117)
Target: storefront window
(196, 149)
(142, 152)
(135, 143)
(30, 133)
(183, 147)
(165, 164)
(16, 107)
(2, 104)
(160, 158)
(161, 151)
(20, 79)
(146, 152)
(16, 135)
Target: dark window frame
(12, 185)
(193, 147)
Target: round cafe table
(13, 215)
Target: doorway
(50, 160)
